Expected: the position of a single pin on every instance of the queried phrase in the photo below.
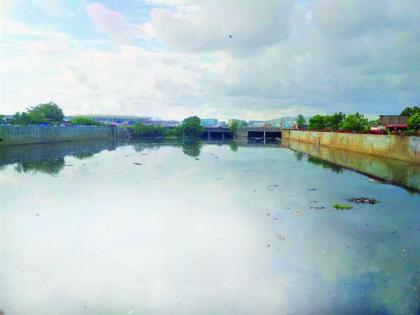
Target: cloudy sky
(174, 58)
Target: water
(200, 229)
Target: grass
(342, 206)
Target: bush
(355, 122)
(414, 121)
(142, 130)
(84, 121)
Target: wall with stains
(11, 135)
(389, 146)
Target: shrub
(84, 121)
(414, 121)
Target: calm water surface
(200, 229)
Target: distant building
(393, 122)
(114, 120)
(392, 119)
(283, 122)
(163, 123)
(256, 123)
(209, 122)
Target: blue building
(209, 122)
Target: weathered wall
(395, 171)
(11, 135)
(389, 146)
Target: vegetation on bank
(413, 114)
(340, 121)
(354, 122)
(48, 113)
(85, 121)
(190, 128)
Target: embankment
(12, 135)
(387, 146)
(394, 171)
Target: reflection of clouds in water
(168, 237)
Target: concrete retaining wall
(402, 173)
(11, 135)
(389, 146)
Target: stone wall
(389, 146)
(11, 135)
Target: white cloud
(206, 25)
(110, 22)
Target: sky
(175, 58)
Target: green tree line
(354, 122)
(338, 121)
(190, 127)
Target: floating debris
(342, 206)
(268, 245)
(299, 212)
(366, 200)
(312, 189)
(280, 237)
(317, 208)
(271, 187)
(403, 249)
(137, 163)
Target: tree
(84, 121)
(48, 112)
(410, 111)
(414, 121)
(191, 127)
(317, 122)
(334, 121)
(300, 121)
(355, 122)
(233, 126)
(42, 113)
(22, 119)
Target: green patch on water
(342, 206)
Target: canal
(196, 228)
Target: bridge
(242, 134)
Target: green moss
(342, 206)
